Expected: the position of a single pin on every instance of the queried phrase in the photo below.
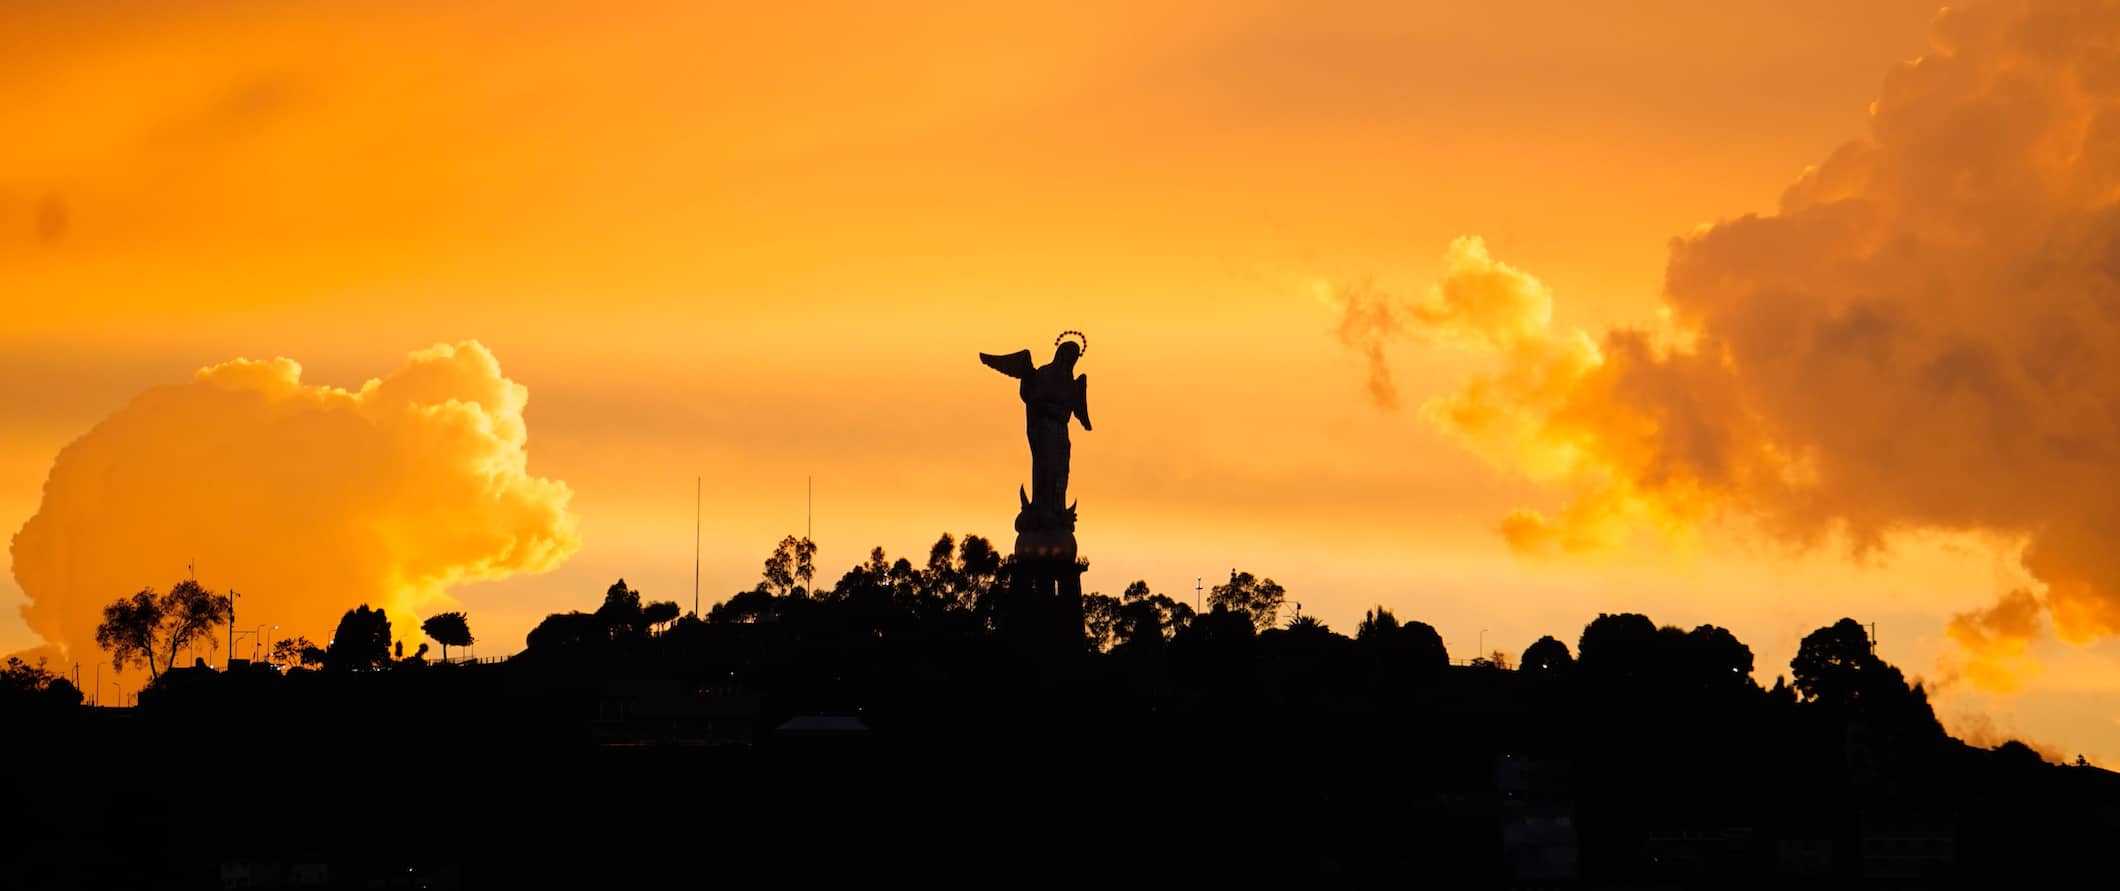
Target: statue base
(1044, 602)
(1043, 608)
(1046, 545)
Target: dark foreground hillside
(845, 741)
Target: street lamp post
(1482, 654)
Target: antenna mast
(695, 546)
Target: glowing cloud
(1924, 335)
(307, 499)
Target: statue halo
(1078, 336)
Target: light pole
(1482, 654)
(230, 662)
(234, 636)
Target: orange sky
(760, 244)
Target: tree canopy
(1257, 599)
(449, 629)
(361, 642)
(150, 627)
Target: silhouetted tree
(1378, 621)
(940, 582)
(361, 642)
(1219, 625)
(978, 570)
(448, 629)
(1713, 658)
(1146, 618)
(1259, 599)
(1836, 669)
(567, 630)
(1781, 694)
(792, 560)
(660, 613)
(135, 629)
(748, 606)
(1617, 646)
(620, 611)
(289, 650)
(25, 687)
(2019, 755)
(1546, 656)
(1308, 625)
(1401, 651)
(1831, 663)
(1101, 619)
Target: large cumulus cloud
(1925, 334)
(306, 499)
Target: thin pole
(695, 545)
(229, 661)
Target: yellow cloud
(306, 499)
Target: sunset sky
(759, 244)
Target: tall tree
(941, 581)
(793, 560)
(1146, 618)
(1712, 658)
(1259, 599)
(24, 687)
(621, 608)
(978, 568)
(288, 651)
(1376, 622)
(1308, 625)
(362, 641)
(448, 629)
(1101, 620)
(1618, 645)
(1402, 651)
(659, 613)
(1832, 663)
(1546, 656)
(149, 626)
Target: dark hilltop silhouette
(974, 720)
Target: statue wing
(1016, 364)
(1081, 405)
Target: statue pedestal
(1055, 546)
(1044, 600)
